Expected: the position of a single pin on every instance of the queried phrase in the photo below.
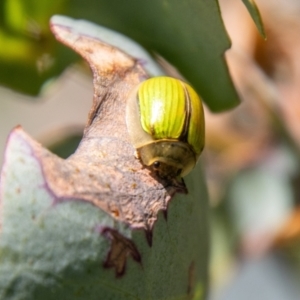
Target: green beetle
(165, 121)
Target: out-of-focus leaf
(66, 145)
(27, 73)
(255, 14)
(29, 54)
(189, 34)
(31, 17)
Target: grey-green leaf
(99, 225)
(52, 249)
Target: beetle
(165, 121)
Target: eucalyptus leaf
(55, 250)
(99, 224)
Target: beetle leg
(179, 185)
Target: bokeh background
(252, 159)
(252, 151)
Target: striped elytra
(165, 120)
(162, 107)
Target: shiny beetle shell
(165, 121)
